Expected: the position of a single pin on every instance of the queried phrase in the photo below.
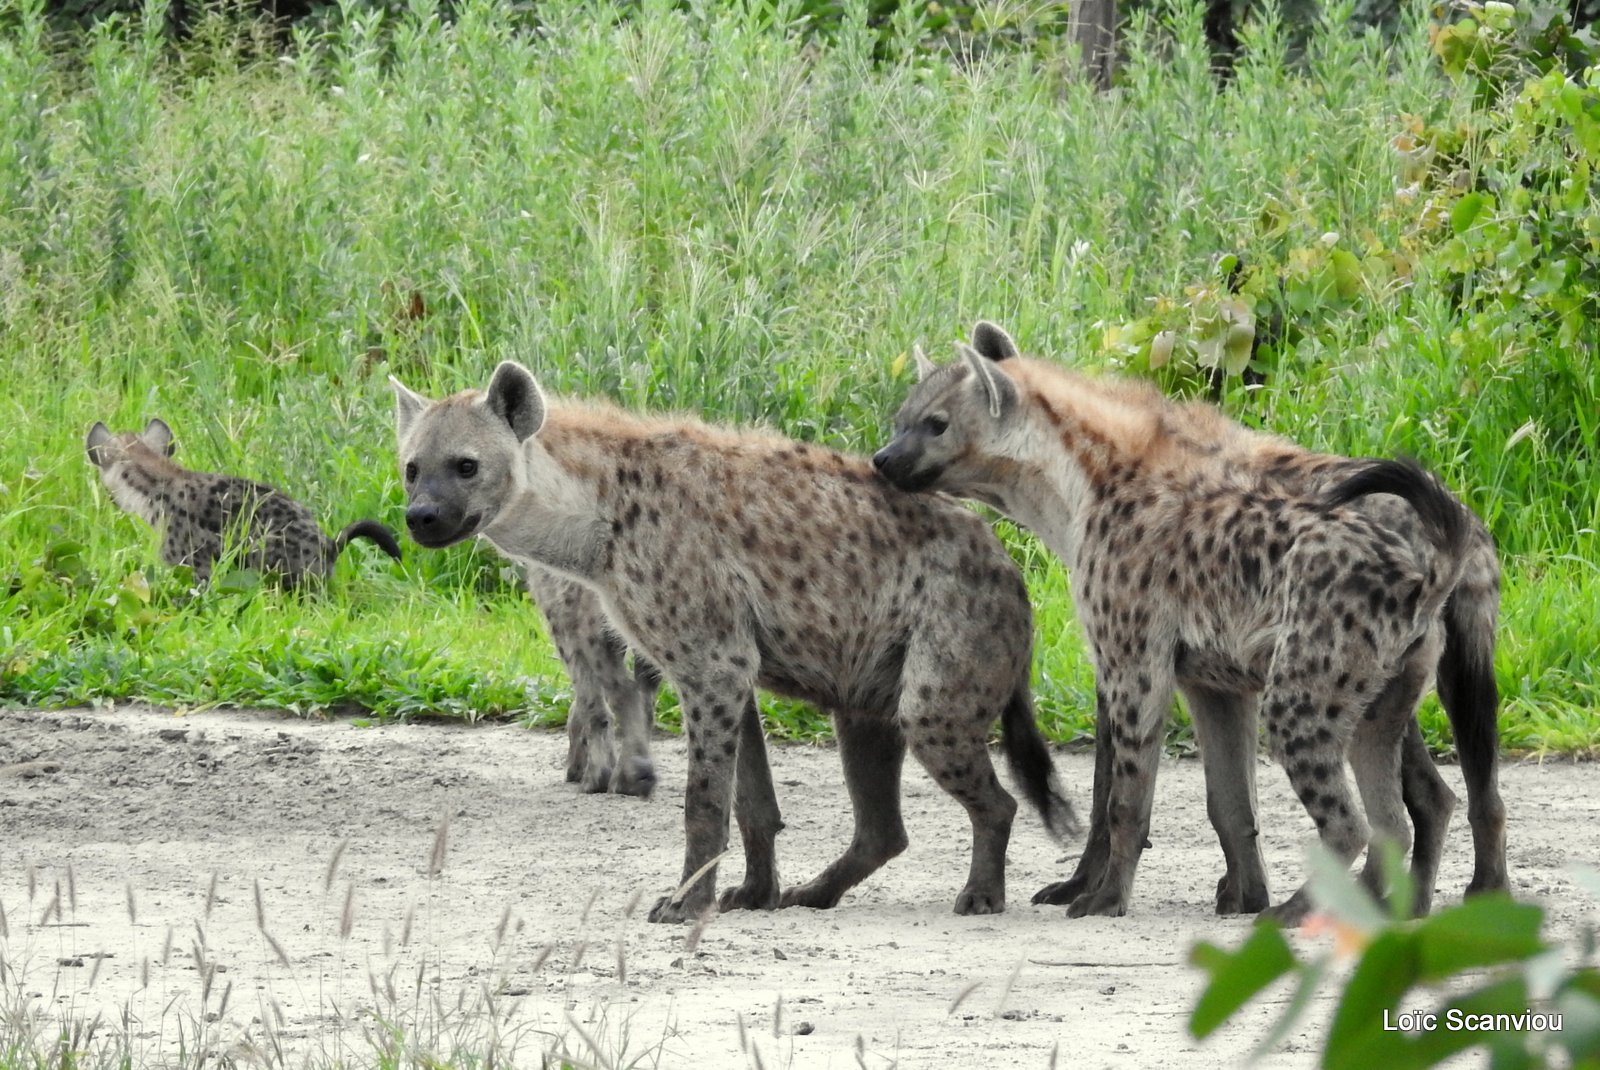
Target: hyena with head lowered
(737, 559)
(197, 513)
(1249, 573)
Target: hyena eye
(936, 425)
(467, 467)
(411, 472)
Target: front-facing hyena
(1245, 571)
(737, 559)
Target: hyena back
(198, 513)
(739, 559)
(1196, 543)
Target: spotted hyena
(1247, 572)
(737, 559)
(200, 513)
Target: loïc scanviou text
(1455, 1020)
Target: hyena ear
(998, 389)
(925, 367)
(515, 397)
(408, 405)
(991, 340)
(99, 438)
(158, 436)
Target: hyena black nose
(880, 460)
(421, 519)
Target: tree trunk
(1094, 31)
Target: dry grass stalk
(333, 865)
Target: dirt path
(537, 895)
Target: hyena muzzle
(735, 560)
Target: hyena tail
(1471, 699)
(1031, 767)
(1444, 519)
(365, 529)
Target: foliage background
(715, 208)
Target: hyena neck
(552, 518)
(144, 487)
(1079, 439)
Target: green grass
(699, 209)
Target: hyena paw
(670, 911)
(1233, 898)
(1061, 892)
(1291, 912)
(596, 779)
(751, 895)
(634, 776)
(814, 894)
(1104, 902)
(1492, 882)
(981, 901)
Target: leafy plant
(1535, 1008)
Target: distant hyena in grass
(1245, 571)
(200, 513)
(737, 559)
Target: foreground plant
(1535, 1008)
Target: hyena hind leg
(755, 807)
(1309, 739)
(631, 699)
(948, 734)
(1388, 733)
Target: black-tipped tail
(1032, 769)
(1443, 518)
(367, 529)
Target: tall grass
(681, 206)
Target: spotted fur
(738, 559)
(200, 513)
(1247, 572)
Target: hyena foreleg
(1138, 699)
(1226, 726)
(713, 705)
(1091, 866)
(631, 699)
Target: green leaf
(1467, 210)
(1346, 274)
(1237, 977)
(1387, 970)
(1483, 931)
(238, 580)
(1310, 980)
(1334, 890)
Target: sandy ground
(532, 934)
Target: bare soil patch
(534, 929)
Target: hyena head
(949, 433)
(107, 450)
(118, 454)
(461, 458)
